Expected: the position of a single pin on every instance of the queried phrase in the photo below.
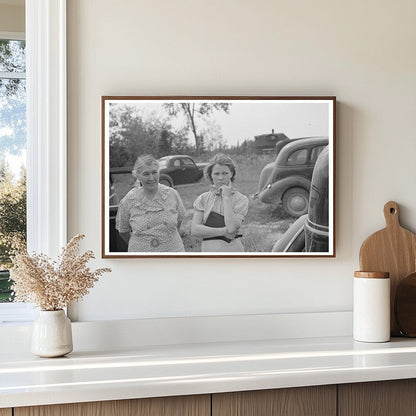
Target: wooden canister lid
(372, 275)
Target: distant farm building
(266, 143)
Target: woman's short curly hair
(220, 159)
(142, 162)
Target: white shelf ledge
(168, 370)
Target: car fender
(166, 177)
(265, 176)
(273, 193)
(293, 240)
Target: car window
(177, 163)
(163, 163)
(298, 157)
(316, 151)
(188, 162)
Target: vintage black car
(180, 170)
(287, 180)
(310, 232)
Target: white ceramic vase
(52, 334)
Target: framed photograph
(218, 176)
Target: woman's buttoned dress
(153, 223)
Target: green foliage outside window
(12, 224)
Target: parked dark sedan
(310, 232)
(287, 180)
(180, 170)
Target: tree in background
(134, 130)
(12, 213)
(6, 176)
(131, 136)
(165, 143)
(180, 142)
(247, 148)
(193, 111)
(213, 138)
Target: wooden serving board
(393, 250)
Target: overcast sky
(293, 119)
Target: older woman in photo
(220, 212)
(150, 215)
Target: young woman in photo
(219, 213)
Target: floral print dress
(153, 223)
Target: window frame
(46, 137)
(46, 125)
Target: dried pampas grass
(53, 285)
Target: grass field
(264, 223)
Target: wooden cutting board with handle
(393, 250)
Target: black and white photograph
(218, 176)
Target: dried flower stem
(53, 285)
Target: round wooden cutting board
(393, 250)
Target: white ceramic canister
(371, 309)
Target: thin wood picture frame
(218, 176)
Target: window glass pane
(12, 117)
(315, 153)
(298, 157)
(12, 56)
(188, 162)
(12, 156)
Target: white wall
(361, 51)
(12, 18)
